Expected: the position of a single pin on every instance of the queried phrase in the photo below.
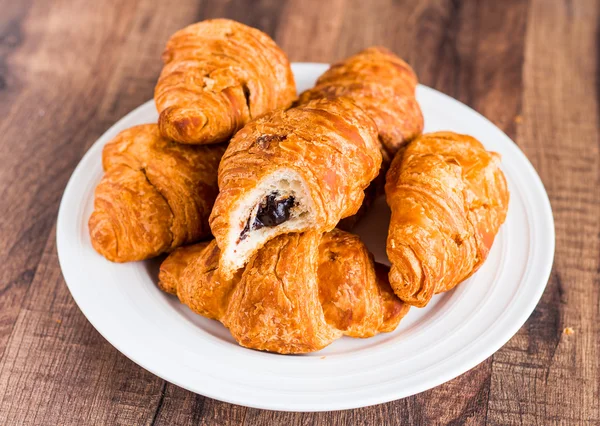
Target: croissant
(155, 195)
(448, 198)
(290, 171)
(384, 86)
(297, 294)
(219, 74)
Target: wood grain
(543, 375)
(71, 68)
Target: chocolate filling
(272, 211)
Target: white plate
(454, 333)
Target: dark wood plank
(58, 370)
(19, 247)
(181, 407)
(544, 375)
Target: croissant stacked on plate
(448, 198)
(297, 294)
(383, 85)
(292, 171)
(155, 195)
(271, 178)
(218, 75)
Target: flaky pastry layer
(155, 195)
(448, 198)
(297, 294)
(292, 170)
(384, 86)
(218, 75)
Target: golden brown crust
(218, 75)
(275, 306)
(331, 144)
(155, 195)
(179, 260)
(297, 294)
(392, 308)
(384, 86)
(131, 219)
(204, 291)
(448, 198)
(355, 299)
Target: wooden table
(69, 69)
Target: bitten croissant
(384, 86)
(297, 294)
(290, 171)
(155, 195)
(448, 198)
(218, 75)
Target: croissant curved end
(104, 237)
(408, 279)
(185, 125)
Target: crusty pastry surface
(328, 145)
(155, 195)
(297, 294)
(448, 198)
(354, 291)
(219, 74)
(384, 86)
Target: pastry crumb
(59, 321)
(323, 357)
(518, 119)
(568, 331)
